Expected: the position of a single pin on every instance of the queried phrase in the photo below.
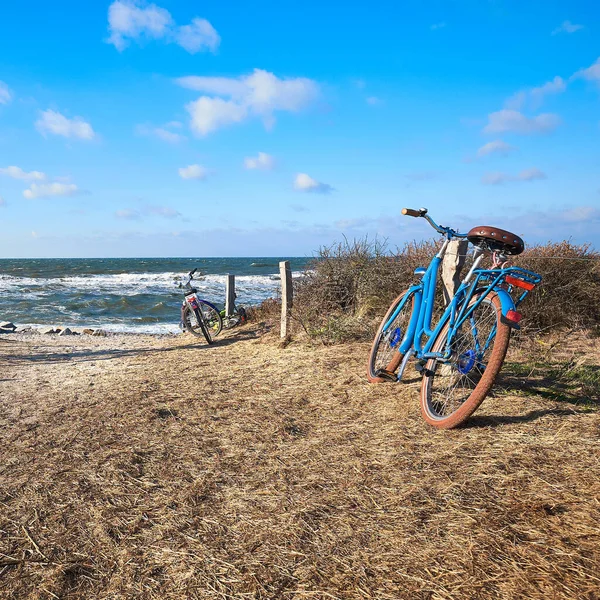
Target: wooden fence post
(453, 262)
(287, 295)
(229, 295)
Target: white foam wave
(249, 288)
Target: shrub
(569, 295)
(348, 287)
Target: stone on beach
(7, 325)
(66, 331)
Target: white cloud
(162, 133)
(515, 121)
(197, 36)
(5, 93)
(133, 20)
(305, 183)
(437, 26)
(567, 27)
(18, 173)
(46, 190)
(498, 178)
(260, 94)
(495, 147)
(53, 122)
(127, 20)
(193, 172)
(592, 73)
(535, 96)
(556, 86)
(263, 161)
(210, 114)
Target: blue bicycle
(460, 357)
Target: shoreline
(84, 330)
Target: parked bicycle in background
(460, 357)
(198, 316)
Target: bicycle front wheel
(212, 317)
(384, 351)
(453, 389)
(200, 325)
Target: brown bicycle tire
(483, 387)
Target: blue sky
(270, 128)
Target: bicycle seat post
(478, 255)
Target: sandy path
(146, 467)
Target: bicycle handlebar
(411, 212)
(422, 212)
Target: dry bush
(268, 310)
(569, 295)
(348, 287)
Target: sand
(156, 467)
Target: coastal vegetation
(349, 286)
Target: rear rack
(514, 277)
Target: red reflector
(514, 316)
(526, 285)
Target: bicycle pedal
(386, 375)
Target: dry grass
(156, 468)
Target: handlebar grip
(411, 212)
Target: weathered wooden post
(229, 294)
(287, 295)
(452, 265)
(454, 260)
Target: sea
(138, 295)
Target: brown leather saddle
(492, 239)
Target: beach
(133, 295)
(138, 466)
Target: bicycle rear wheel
(384, 351)
(453, 389)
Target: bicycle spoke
(452, 382)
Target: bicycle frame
(459, 309)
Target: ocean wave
(128, 284)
